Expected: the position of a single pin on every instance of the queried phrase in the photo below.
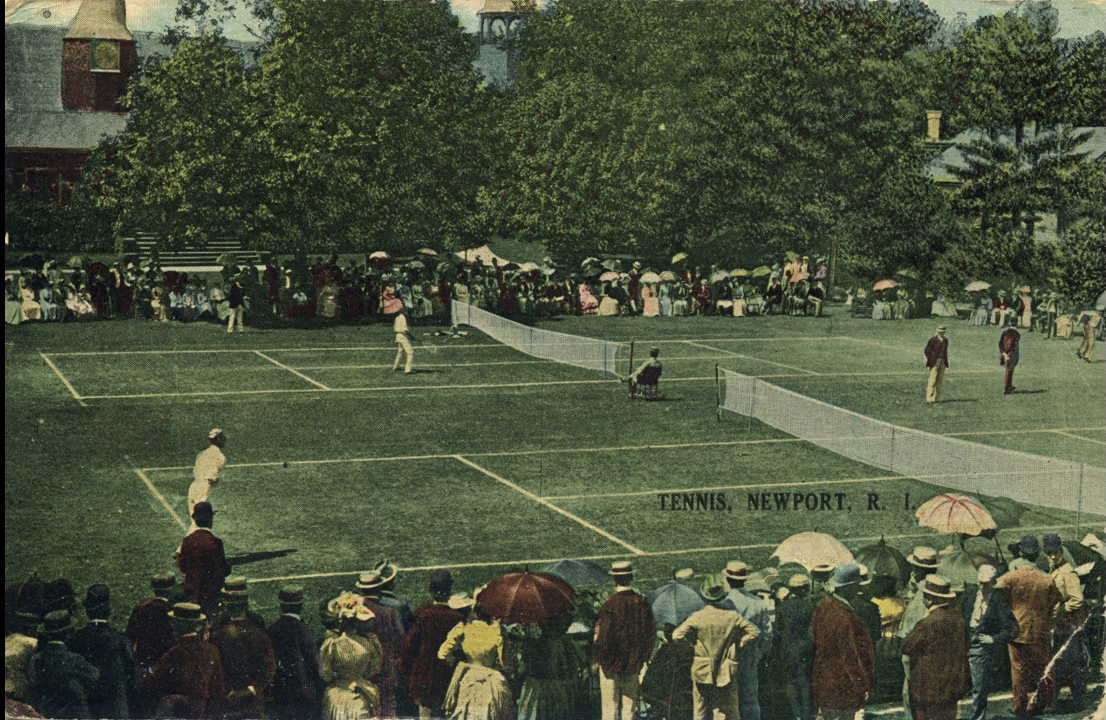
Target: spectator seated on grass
(645, 379)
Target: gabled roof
(942, 166)
(497, 6)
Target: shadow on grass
(1028, 392)
(252, 557)
(959, 400)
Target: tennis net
(582, 352)
(949, 462)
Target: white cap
(214, 433)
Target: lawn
(485, 458)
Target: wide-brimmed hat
(736, 570)
(163, 581)
(846, 575)
(1030, 545)
(712, 590)
(1051, 543)
(387, 570)
(459, 601)
(187, 612)
(57, 622)
(923, 557)
(370, 580)
(938, 586)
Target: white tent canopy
(483, 255)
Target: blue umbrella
(577, 572)
(674, 602)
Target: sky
(1077, 17)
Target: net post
(1079, 501)
(717, 393)
(752, 407)
(630, 370)
(891, 464)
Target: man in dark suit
(623, 642)
(938, 652)
(297, 659)
(797, 644)
(865, 609)
(149, 628)
(427, 676)
(1008, 356)
(202, 561)
(937, 360)
(60, 678)
(248, 662)
(190, 672)
(109, 652)
(991, 626)
(844, 660)
(388, 572)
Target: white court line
(1079, 437)
(161, 498)
(68, 385)
(647, 554)
(391, 348)
(753, 357)
(295, 372)
(499, 453)
(551, 506)
(1023, 431)
(665, 491)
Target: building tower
(98, 57)
(499, 19)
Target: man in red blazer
(937, 360)
(427, 676)
(1008, 356)
(938, 652)
(190, 674)
(202, 561)
(844, 659)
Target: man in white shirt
(399, 325)
(205, 472)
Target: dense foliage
(732, 130)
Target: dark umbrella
(527, 598)
(1080, 554)
(577, 572)
(882, 559)
(33, 261)
(674, 602)
(959, 567)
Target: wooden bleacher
(191, 258)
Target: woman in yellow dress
(478, 690)
(348, 661)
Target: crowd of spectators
(784, 641)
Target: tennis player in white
(205, 473)
(399, 325)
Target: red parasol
(885, 285)
(527, 598)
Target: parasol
(907, 273)
(884, 560)
(885, 284)
(528, 266)
(673, 602)
(416, 264)
(812, 548)
(589, 261)
(608, 276)
(77, 261)
(977, 285)
(668, 276)
(33, 261)
(379, 255)
(1005, 512)
(719, 276)
(953, 513)
(740, 272)
(799, 277)
(427, 251)
(650, 277)
(761, 271)
(527, 598)
(679, 258)
(959, 568)
(1100, 304)
(577, 572)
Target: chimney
(933, 126)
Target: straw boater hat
(923, 557)
(163, 582)
(799, 580)
(370, 580)
(459, 601)
(684, 574)
(865, 576)
(822, 573)
(940, 329)
(621, 569)
(189, 613)
(234, 590)
(387, 570)
(290, 596)
(938, 586)
(736, 570)
(56, 624)
(712, 590)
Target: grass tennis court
(486, 458)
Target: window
(105, 55)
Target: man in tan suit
(937, 361)
(718, 636)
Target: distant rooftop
(943, 166)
